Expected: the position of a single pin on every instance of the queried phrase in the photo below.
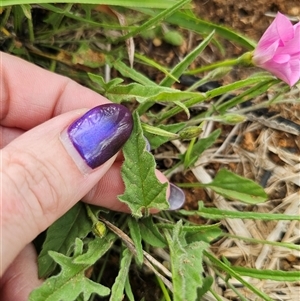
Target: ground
(271, 157)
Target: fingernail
(98, 135)
(176, 198)
(148, 145)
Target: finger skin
(21, 277)
(31, 95)
(40, 183)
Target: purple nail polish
(176, 198)
(100, 133)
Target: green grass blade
(233, 273)
(155, 20)
(127, 3)
(183, 65)
(201, 27)
(274, 275)
(131, 73)
(154, 64)
(214, 213)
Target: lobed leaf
(142, 188)
(70, 283)
(61, 236)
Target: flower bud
(190, 132)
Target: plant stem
(243, 60)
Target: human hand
(42, 173)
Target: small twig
(149, 261)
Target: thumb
(46, 170)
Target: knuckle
(31, 187)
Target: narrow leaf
(61, 237)
(187, 21)
(154, 64)
(128, 290)
(207, 283)
(150, 93)
(214, 213)
(143, 189)
(151, 234)
(183, 65)
(157, 18)
(117, 290)
(131, 73)
(273, 275)
(186, 262)
(137, 238)
(128, 3)
(234, 186)
(156, 141)
(199, 147)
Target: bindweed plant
(100, 44)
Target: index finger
(31, 95)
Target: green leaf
(27, 11)
(194, 24)
(131, 73)
(186, 262)
(61, 236)
(143, 189)
(214, 213)
(173, 37)
(151, 234)
(135, 234)
(155, 141)
(231, 273)
(199, 147)
(154, 64)
(127, 3)
(272, 275)
(203, 235)
(197, 232)
(183, 65)
(236, 187)
(156, 19)
(70, 283)
(207, 283)
(200, 97)
(128, 290)
(117, 290)
(150, 93)
(96, 248)
(98, 79)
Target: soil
(250, 18)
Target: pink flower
(278, 50)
